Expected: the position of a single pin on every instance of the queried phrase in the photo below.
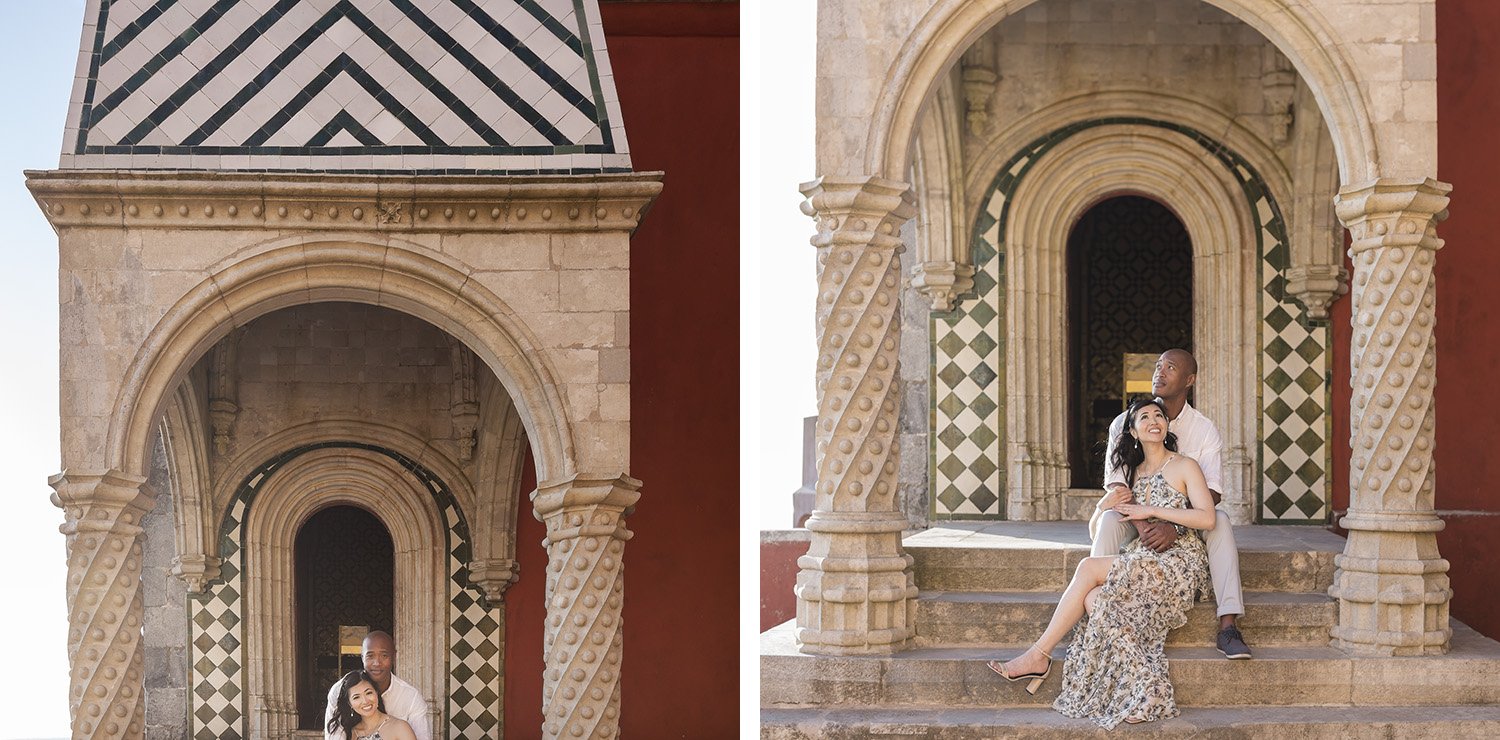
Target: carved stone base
(1393, 592)
(855, 592)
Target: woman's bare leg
(1090, 575)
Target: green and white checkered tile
(1293, 423)
(968, 390)
(474, 643)
(216, 701)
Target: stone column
(855, 592)
(1391, 584)
(586, 534)
(102, 524)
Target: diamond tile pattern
(216, 658)
(450, 85)
(968, 384)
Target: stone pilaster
(106, 653)
(1391, 584)
(586, 534)
(855, 592)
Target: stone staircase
(988, 589)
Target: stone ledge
(137, 199)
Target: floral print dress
(1116, 669)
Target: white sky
(38, 50)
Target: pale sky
(38, 50)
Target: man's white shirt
(402, 701)
(1197, 437)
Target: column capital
(609, 490)
(493, 577)
(858, 210)
(941, 283)
(79, 492)
(1316, 287)
(1393, 213)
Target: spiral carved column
(1391, 584)
(102, 516)
(855, 591)
(586, 535)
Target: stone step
(1239, 723)
(1015, 618)
(1277, 676)
(1041, 556)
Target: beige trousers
(1110, 533)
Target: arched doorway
(345, 587)
(1130, 297)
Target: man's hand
(1118, 494)
(1157, 535)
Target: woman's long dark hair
(344, 717)
(1128, 450)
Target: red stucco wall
(676, 67)
(1468, 308)
(778, 574)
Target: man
(1175, 373)
(402, 700)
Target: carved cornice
(133, 199)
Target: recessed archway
(950, 26)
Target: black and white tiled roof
(513, 86)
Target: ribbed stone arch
(1082, 170)
(240, 675)
(277, 275)
(293, 492)
(949, 27)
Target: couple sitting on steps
(1161, 489)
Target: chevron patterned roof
(462, 86)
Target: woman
(360, 713)
(1116, 671)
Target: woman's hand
(1134, 512)
(1117, 495)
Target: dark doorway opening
(1130, 292)
(345, 584)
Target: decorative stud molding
(282, 201)
(586, 535)
(855, 591)
(942, 283)
(1316, 287)
(102, 515)
(1391, 583)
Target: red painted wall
(1468, 309)
(676, 67)
(778, 574)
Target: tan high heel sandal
(1035, 679)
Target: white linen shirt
(402, 701)
(1197, 437)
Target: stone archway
(209, 252)
(854, 593)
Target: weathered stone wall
(343, 360)
(166, 628)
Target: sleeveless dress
(376, 734)
(1116, 669)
